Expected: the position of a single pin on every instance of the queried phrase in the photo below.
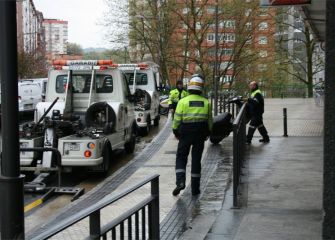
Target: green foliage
(74, 49)
(118, 56)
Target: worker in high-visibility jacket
(256, 110)
(175, 95)
(191, 125)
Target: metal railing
(239, 142)
(149, 229)
(223, 104)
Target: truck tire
(156, 121)
(100, 115)
(142, 99)
(145, 130)
(106, 158)
(129, 146)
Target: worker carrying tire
(175, 95)
(191, 125)
(256, 110)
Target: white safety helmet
(196, 83)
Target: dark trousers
(186, 141)
(256, 122)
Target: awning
(315, 14)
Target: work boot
(264, 140)
(177, 190)
(195, 184)
(264, 133)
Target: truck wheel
(106, 158)
(156, 121)
(145, 130)
(129, 146)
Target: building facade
(30, 31)
(242, 48)
(56, 35)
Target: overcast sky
(83, 17)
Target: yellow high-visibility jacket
(193, 109)
(175, 96)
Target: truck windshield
(141, 78)
(81, 83)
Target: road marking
(32, 205)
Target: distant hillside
(87, 50)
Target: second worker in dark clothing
(256, 110)
(191, 125)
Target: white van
(42, 82)
(29, 94)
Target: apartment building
(56, 35)
(30, 30)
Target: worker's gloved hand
(176, 133)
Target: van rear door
(29, 96)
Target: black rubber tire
(145, 130)
(156, 121)
(100, 108)
(106, 158)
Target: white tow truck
(143, 80)
(87, 113)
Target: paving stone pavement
(184, 216)
(282, 196)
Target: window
(141, 78)
(210, 9)
(225, 65)
(263, 40)
(198, 25)
(263, 53)
(227, 51)
(81, 83)
(263, 12)
(210, 37)
(263, 26)
(226, 78)
(228, 37)
(227, 24)
(248, 26)
(185, 10)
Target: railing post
(285, 122)
(154, 211)
(95, 229)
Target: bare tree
(32, 65)
(301, 59)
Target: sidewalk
(282, 197)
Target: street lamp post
(11, 183)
